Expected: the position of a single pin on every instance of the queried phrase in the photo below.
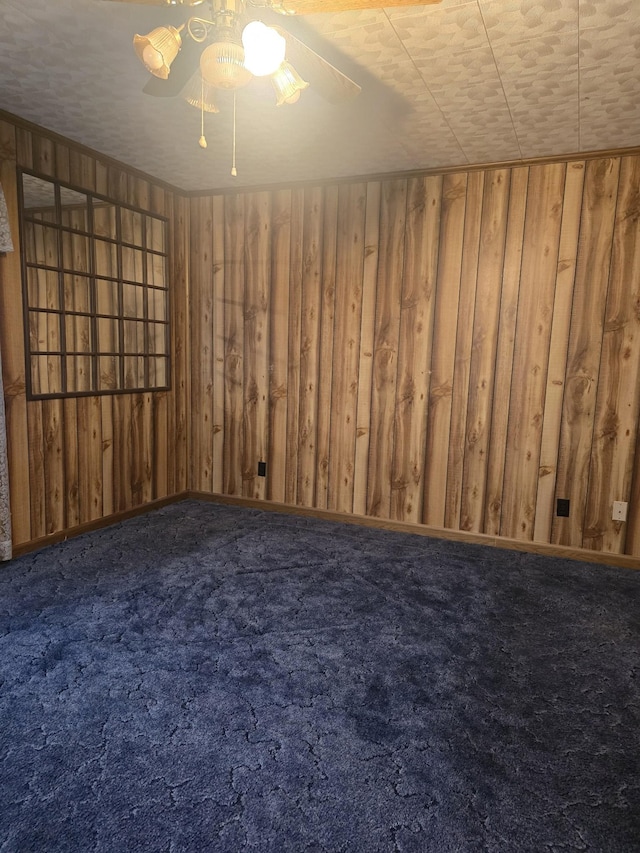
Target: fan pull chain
(202, 141)
(234, 171)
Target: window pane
(79, 376)
(78, 332)
(39, 197)
(77, 293)
(74, 209)
(157, 338)
(109, 375)
(132, 264)
(155, 234)
(108, 335)
(133, 337)
(132, 300)
(41, 244)
(156, 270)
(44, 332)
(75, 252)
(134, 372)
(132, 226)
(106, 258)
(156, 304)
(46, 374)
(104, 219)
(107, 297)
(42, 288)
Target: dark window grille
(96, 293)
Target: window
(95, 293)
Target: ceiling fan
(229, 45)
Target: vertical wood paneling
(217, 345)
(294, 332)
(76, 460)
(71, 499)
(505, 348)
(463, 349)
(311, 310)
(424, 201)
(458, 350)
(90, 461)
(493, 229)
(346, 344)
(422, 334)
(618, 395)
(393, 210)
(106, 415)
(327, 321)
(565, 280)
(233, 343)
(585, 344)
(11, 340)
(178, 454)
(531, 354)
(454, 198)
(279, 345)
(256, 337)
(367, 333)
(202, 350)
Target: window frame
(153, 324)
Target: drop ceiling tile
(464, 68)
(517, 20)
(371, 44)
(605, 13)
(600, 45)
(443, 32)
(402, 76)
(612, 84)
(490, 148)
(609, 106)
(396, 12)
(548, 55)
(339, 21)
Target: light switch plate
(619, 511)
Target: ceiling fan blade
(160, 2)
(182, 69)
(312, 7)
(333, 85)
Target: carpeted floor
(207, 678)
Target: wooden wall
(77, 460)
(456, 350)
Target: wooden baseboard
(97, 524)
(546, 550)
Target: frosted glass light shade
(288, 84)
(157, 50)
(199, 94)
(222, 65)
(264, 49)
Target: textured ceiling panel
(463, 82)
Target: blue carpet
(208, 678)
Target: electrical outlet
(562, 507)
(262, 469)
(619, 511)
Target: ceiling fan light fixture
(222, 65)
(287, 84)
(264, 49)
(200, 94)
(158, 49)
